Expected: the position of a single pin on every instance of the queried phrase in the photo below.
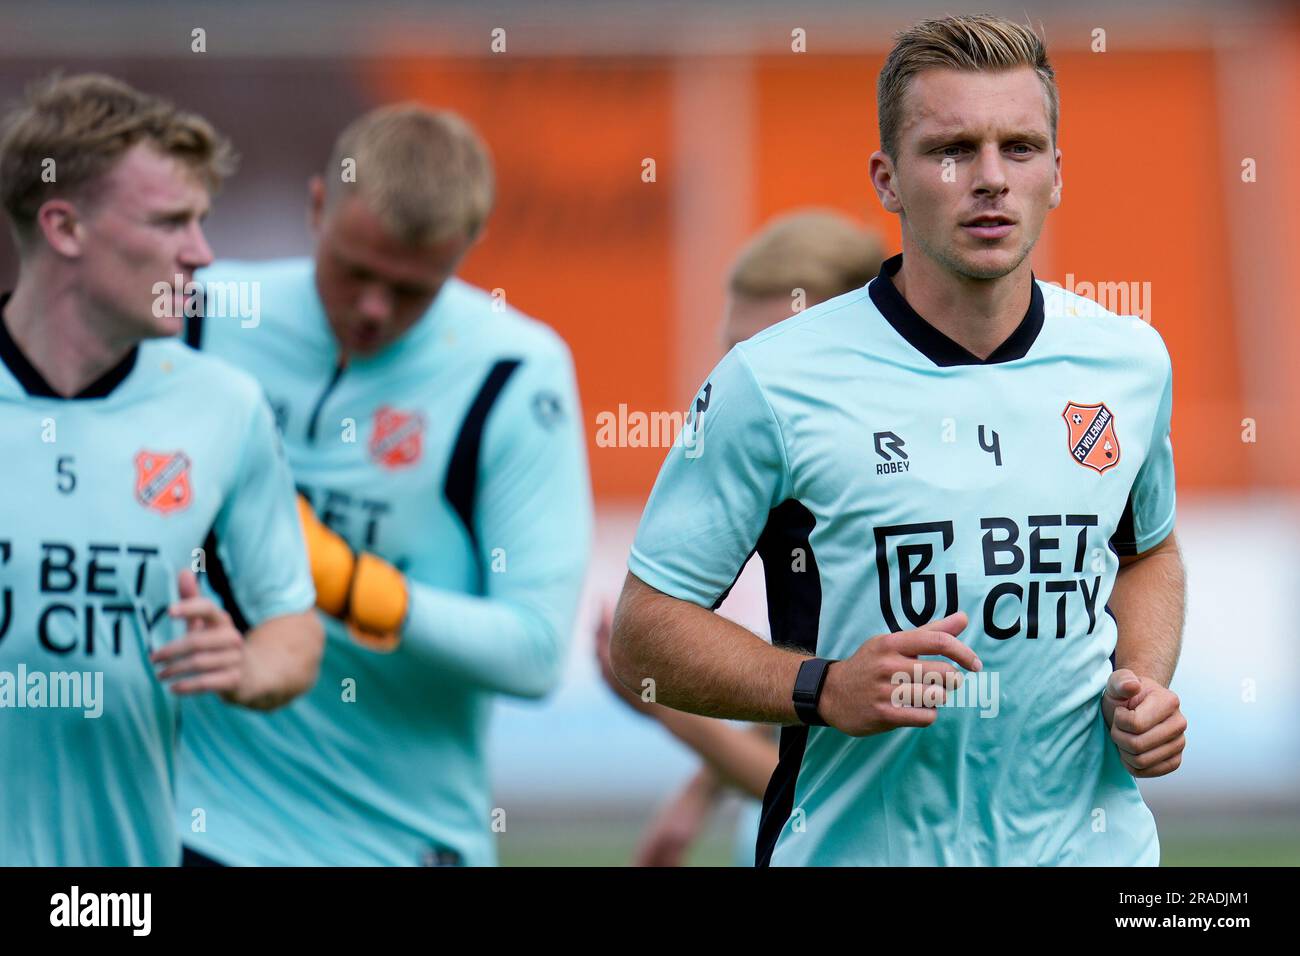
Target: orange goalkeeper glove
(364, 591)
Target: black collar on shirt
(34, 383)
(932, 343)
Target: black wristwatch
(808, 690)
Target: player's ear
(1056, 184)
(881, 169)
(60, 224)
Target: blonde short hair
(973, 43)
(83, 125)
(425, 173)
(821, 251)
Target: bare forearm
(705, 786)
(282, 660)
(1148, 602)
(740, 757)
(700, 662)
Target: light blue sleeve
(715, 490)
(533, 526)
(1152, 498)
(258, 532)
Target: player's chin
(162, 327)
(990, 260)
(367, 344)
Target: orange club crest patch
(1093, 442)
(162, 480)
(397, 439)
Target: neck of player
(61, 334)
(977, 314)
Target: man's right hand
(861, 692)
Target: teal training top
(457, 454)
(887, 478)
(169, 461)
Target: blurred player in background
(436, 436)
(949, 462)
(129, 463)
(798, 259)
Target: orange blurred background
(631, 272)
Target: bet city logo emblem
(1033, 573)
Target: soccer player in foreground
(437, 435)
(956, 462)
(797, 259)
(130, 463)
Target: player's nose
(375, 302)
(990, 173)
(196, 253)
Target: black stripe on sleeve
(461, 483)
(1124, 541)
(794, 601)
(219, 581)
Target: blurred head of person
(105, 188)
(405, 197)
(798, 259)
(968, 111)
